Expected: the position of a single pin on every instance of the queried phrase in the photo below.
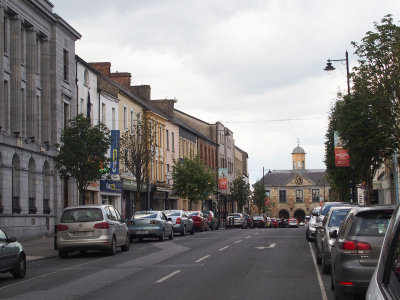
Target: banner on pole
(342, 158)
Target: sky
(254, 65)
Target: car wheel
(332, 283)
(62, 254)
(183, 231)
(141, 239)
(339, 295)
(325, 266)
(127, 244)
(20, 268)
(113, 247)
(318, 254)
(192, 231)
(171, 237)
(83, 252)
(202, 228)
(162, 237)
(131, 238)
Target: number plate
(142, 232)
(81, 233)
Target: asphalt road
(222, 264)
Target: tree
(193, 179)
(137, 151)
(240, 191)
(259, 196)
(83, 151)
(368, 119)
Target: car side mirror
(333, 234)
(11, 240)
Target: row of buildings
(44, 84)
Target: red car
(199, 221)
(274, 223)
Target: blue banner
(114, 154)
(110, 186)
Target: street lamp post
(223, 213)
(329, 68)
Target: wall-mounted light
(16, 133)
(47, 145)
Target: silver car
(311, 227)
(236, 220)
(12, 256)
(150, 224)
(385, 282)
(323, 239)
(91, 227)
(356, 250)
(181, 222)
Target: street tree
(259, 196)
(83, 152)
(138, 148)
(193, 179)
(368, 119)
(240, 191)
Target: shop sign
(110, 186)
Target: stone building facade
(37, 98)
(294, 193)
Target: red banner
(342, 158)
(223, 183)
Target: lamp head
(329, 66)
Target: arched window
(32, 186)
(16, 205)
(86, 77)
(46, 188)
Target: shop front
(110, 193)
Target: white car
(235, 220)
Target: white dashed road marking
(238, 241)
(168, 276)
(222, 249)
(203, 258)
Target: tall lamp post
(329, 68)
(222, 215)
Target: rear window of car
(82, 215)
(145, 216)
(206, 213)
(234, 215)
(337, 217)
(173, 214)
(193, 213)
(258, 218)
(373, 223)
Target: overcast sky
(255, 65)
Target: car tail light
(178, 221)
(62, 227)
(154, 222)
(354, 247)
(348, 283)
(102, 225)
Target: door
(8, 252)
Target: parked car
(91, 227)
(212, 220)
(200, 222)
(282, 223)
(327, 206)
(356, 250)
(235, 220)
(310, 228)
(150, 224)
(268, 222)
(12, 256)
(385, 282)
(259, 222)
(249, 221)
(181, 222)
(292, 222)
(323, 239)
(274, 222)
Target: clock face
(299, 180)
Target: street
(224, 264)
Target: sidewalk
(39, 248)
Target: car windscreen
(193, 214)
(338, 217)
(371, 223)
(206, 213)
(81, 215)
(258, 218)
(145, 216)
(233, 216)
(173, 214)
(325, 209)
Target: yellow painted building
(294, 193)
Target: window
(125, 118)
(315, 195)
(302, 165)
(113, 118)
(173, 141)
(5, 35)
(167, 139)
(103, 113)
(66, 65)
(282, 196)
(132, 117)
(23, 51)
(86, 77)
(299, 196)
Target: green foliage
(193, 179)
(259, 196)
(83, 151)
(368, 119)
(240, 191)
(137, 152)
